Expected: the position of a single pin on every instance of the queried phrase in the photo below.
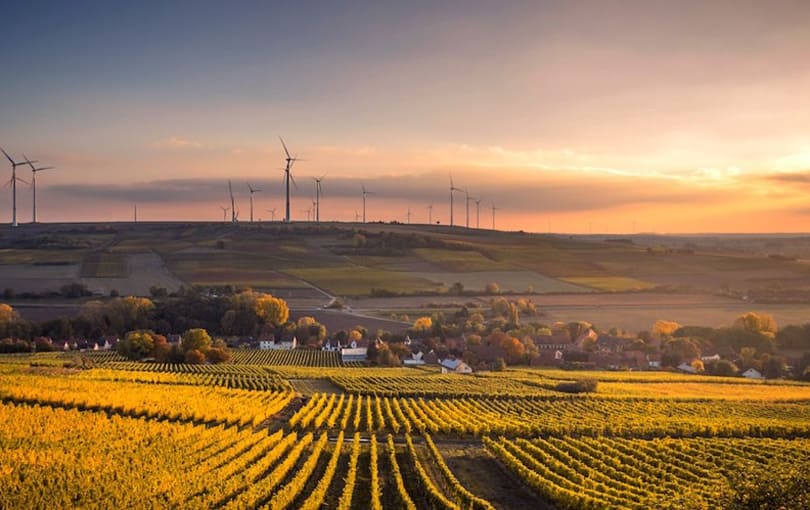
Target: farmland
(308, 264)
(241, 435)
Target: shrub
(578, 386)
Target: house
(415, 359)
(547, 357)
(713, 357)
(654, 361)
(329, 346)
(687, 368)
(455, 366)
(349, 354)
(753, 373)
(556, 342)
(283, 345)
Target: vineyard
(239, 435)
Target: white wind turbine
(452, 189)
(365, 192)
(318, 193)
(288, 177)
(252, 191)
(13, 182)
(34, 171)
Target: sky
(565, 116)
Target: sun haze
(609, 117)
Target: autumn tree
(663, 329)
(757, 323)
(422, 327)
(196, 339)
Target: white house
(348, 354)
(414, 360)
(686, 367)
(455, 366)
(328, 346)
(715, 357)
(753, 373)
(272, 345)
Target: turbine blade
(42, 168)
(285, 146)
(7, 156)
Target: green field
(359, 280)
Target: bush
(218, 355)
(578, 386)
(195, 357)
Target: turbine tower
(318, 193)
(467, 203)
(409, 215)
(225, 213)
(356, 216)
(365, 192)
(34, 171)
(430, 214)
(252, 191)
(477, 213)
(493, 215)
(452, 189)
(233, 209)
(287, 177)
(14, 165)
(272, 214)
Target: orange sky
(574, 117)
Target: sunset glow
(610, 117)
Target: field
(297, 430)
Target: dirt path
(485, 477)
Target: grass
(21, 256)
(461, 260)
(359, 280)
(228, 268)
(610, 283)
(104, 265)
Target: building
(455, 366)
(753, 373)
(415, 359)
(283, 345)
(353, 353)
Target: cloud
(176, 142)
(790, 177)
(557, 192)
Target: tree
(196, 339)
(422, 327)
(725, 368)
(194, 357)
(136, 345)
(272, 309)
(218, 355)
(492, 288)
(663, 328)
(457, 289)
(757, 323)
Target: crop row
(614, 473)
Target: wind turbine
(136, 213)
(493, 215)
(233, 209)
(308, 211)
(252, 191)
(225, 213)
(13, 181)
(477, 213)
(356, 216)
(409, 215)
(452, 189)
(365, 192)
(287, 177)
(34, 171)
(468, 198)
(430, 214)
(318, 193)
(272, 214)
